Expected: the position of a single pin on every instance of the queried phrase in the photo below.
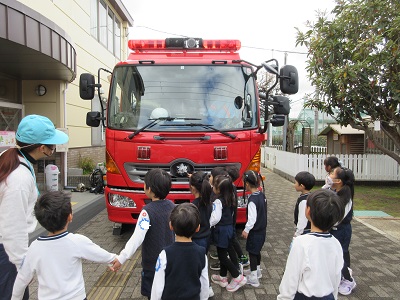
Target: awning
(32, 47)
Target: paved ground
(375, 254)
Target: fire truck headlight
(120, 201)
(241, 202)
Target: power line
(243, 46)
(284, 51)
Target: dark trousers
(227, 264)
(8, 273)
(343, 234)
(255, 260)
(236, 246)
(147, 282)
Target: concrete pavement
(374, 250)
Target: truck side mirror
(86, 86)
(93, 118)
(289, 80)
(277, 120)
(282, 106)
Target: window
(105, 26)
(117, 38)
(103, 23)
(196, 98)
(110, 27)
(93, 18)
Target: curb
(81, 216)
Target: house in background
(44, 47)
(344, 139)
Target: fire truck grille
(178, 170)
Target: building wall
(74, 18)
(97, 154)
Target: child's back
(57, 260)
(152, 228)
(317, 259)
(159, 234)
(181, 269)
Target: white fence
(366, 167)
(314, 149)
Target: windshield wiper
(154, 122)
(232, 136)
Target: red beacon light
(188, 44)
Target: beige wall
(74, 18)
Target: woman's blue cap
(35, 129)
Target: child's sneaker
(221, 281)
(253, 280)
(346, 286)
(216, 266)
(214, 255)
(236, 283)
(247, 272)
(244, 260)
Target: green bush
(86, 164)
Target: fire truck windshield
(221, 97)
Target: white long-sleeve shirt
(57, 261)
(18, 195)
(252, 217)
(216, 213)
(159, 279)
(313, 268)
(137, 238)
(301, 219)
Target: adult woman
(36, 138)
(343, 184)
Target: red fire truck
(182, 105)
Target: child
(235, 250)
(343, 183)
(303, 183)
(182, 262)
(57, 257)
(313, 268)
(214, 173)
(201, 188)
(152, 227)
(243, 260)
(330, 163)
(255, 230)
(222, 219)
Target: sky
(265, 28)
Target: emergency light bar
(195, 44)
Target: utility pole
(285, 125)
(316, 122)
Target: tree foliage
(354, 64)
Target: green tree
(354, 64)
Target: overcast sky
(269, 25)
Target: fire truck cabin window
(183, 97)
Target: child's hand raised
(115, 265)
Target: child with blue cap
(36, 138)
